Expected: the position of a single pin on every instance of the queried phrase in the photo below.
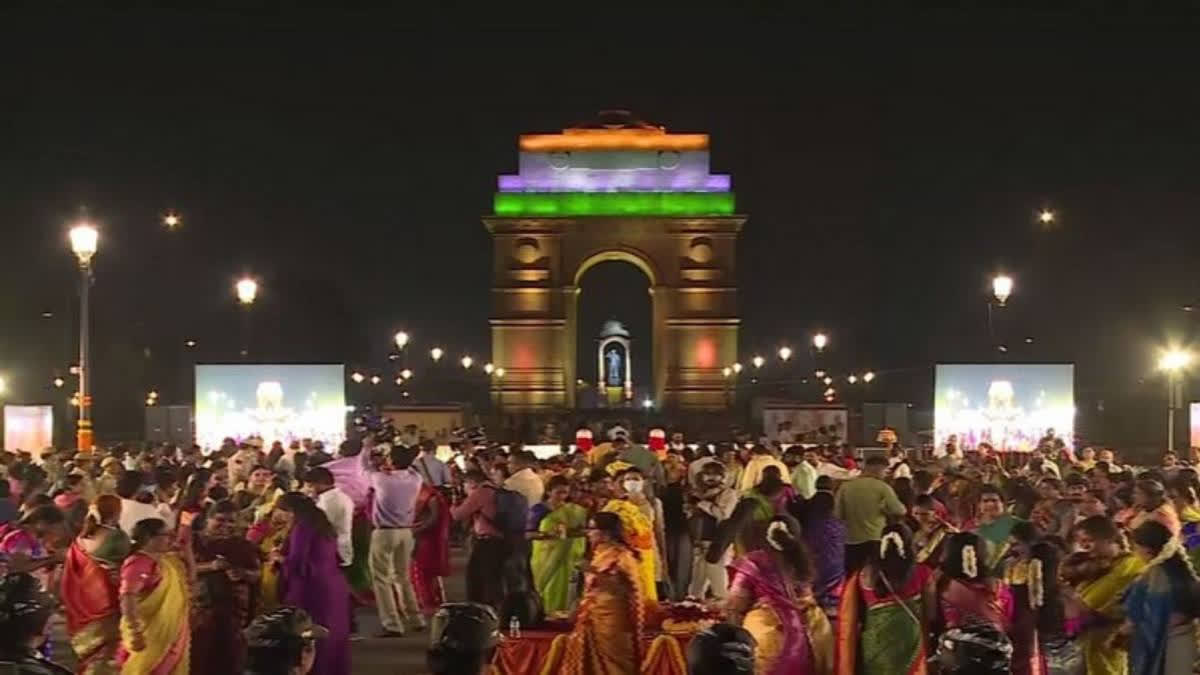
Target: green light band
(551, 204)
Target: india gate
(614, 190)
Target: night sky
(888, 169)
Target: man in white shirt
(133, 511)
(524, 479)
(338, 507)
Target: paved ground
(371, 656)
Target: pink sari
(794, 636)
(975, 602)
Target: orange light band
(613, 139)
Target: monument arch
(617, 190)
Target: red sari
(431, 560)
(89, 598)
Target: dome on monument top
(613, 328)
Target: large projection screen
(272, 402)
(29, 428)
(1194, 417)
(1008, 405)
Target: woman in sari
(1150, 499)
(558, 545)
(1032, 577)
(89, 588)
(311, 580)
(1185, 497)
(1099, 573)
(431, 560)
(1161, 606)
(227, 567)
(606, 639)
(993, 525)
(825, 536)
(269, 535)
(770, 596)
(885, 607)
(967, 593)
(929, 539)
(639, 533)
(155, 599)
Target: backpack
(512, 512)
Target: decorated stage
(664, 648)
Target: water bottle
(514, 627)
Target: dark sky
(888, 169)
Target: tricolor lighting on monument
(626, 169)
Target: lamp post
(247, 292)
(85, 240)
(1173, 362)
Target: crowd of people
(808, 558)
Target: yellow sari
(1103, 597)
(639, 532)
(608, 627)
(164, 612)
(268, 583)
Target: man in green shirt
(864, 504)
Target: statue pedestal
(615, 396)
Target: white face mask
(633, 487)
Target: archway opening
(613, 290)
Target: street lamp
(852, 379)
(172, 220)
(1173, 362)
(868, 376)
(85, 240)
(58, 382)
(500, 372)
(1002, 287)
(758, 361)
(726, 371)
(401, 339)
(1046, 216)
(820, 340)
(357, 377)
(785, 353)
(466, 362)
(737, 367)
(247, 291)
(436, 353)
(375, 379)
(489, 368)
(406, 374)
(3, 385)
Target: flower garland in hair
(772, 529)
(970, 562)
(1037, 587)
(895, 540)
